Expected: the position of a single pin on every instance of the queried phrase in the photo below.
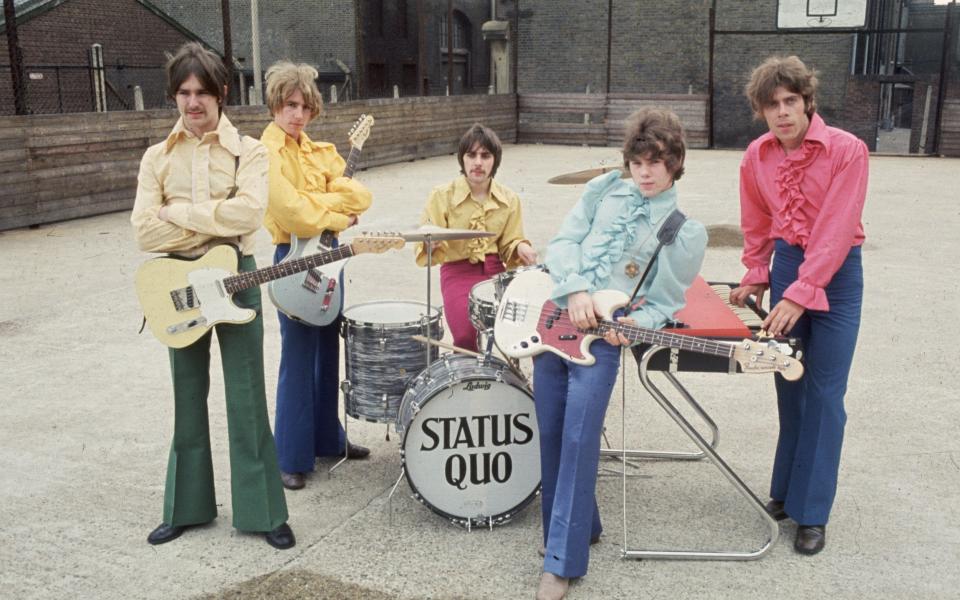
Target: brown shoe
(552, 587)
(810, 539)
(355, 451)
(292, 481)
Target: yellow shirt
(453, 206)
(193, 178)
(308, 192)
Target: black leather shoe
(810, 539)
(292, 481)
(281, 538)
(165, 533)
(355, 451)
(775, 510)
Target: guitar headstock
(376, 243)
(760, 357)
(360, 131)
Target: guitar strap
(665, 236)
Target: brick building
(390, 46)
(869, 82)
(56, 37)
(322, 33)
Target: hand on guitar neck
(529, 323)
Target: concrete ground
(87, 417)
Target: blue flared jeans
(571, 402)
(811, 410)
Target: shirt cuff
(808, 296)
(573, 283)
(757, 276)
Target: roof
(28, 9)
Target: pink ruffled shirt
(812, 198)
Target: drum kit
(470, 447)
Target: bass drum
(471, 447)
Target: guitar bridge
(184, 299)
(187, 325)
(312, 280)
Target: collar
(461, 191)
(660, 205)
(225, 134)
(817, 133)
(275, 138)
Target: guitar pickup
(331, 287)
(568, 337)
(312, 280)
(184, 299)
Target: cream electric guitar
(182, 299)
(528, 323)
(314, 297)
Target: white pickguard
(216, 305)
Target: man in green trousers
(204, 186)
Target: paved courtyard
(87, 415)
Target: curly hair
(655, 134)
(283, 78)
(782, 71)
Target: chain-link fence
(74, 88)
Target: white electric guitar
(314, 297)
(182, 299)
(529, 323)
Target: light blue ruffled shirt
(611, 234)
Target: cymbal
(438, 234)
(585, 176)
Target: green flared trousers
(256, 489)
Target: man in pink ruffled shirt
(802, 189)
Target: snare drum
(381, 358)
(483, 305)
(502, 280)
(471, 447)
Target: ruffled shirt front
(812, 198)
(607, 240)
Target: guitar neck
(663, 338)
(352, 159)
(242, 281)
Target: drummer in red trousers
(474, 201)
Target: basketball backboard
(821, 14)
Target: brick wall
(311, 31)
(131, 36)
(561, 46)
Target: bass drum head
(471, 448)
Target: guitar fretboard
(662, 338)
(352, 159)
(242, 281)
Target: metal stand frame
(708, 450)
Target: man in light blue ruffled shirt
(605, 242)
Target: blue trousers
(571, 401)
(812, 415)
(306, 424)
